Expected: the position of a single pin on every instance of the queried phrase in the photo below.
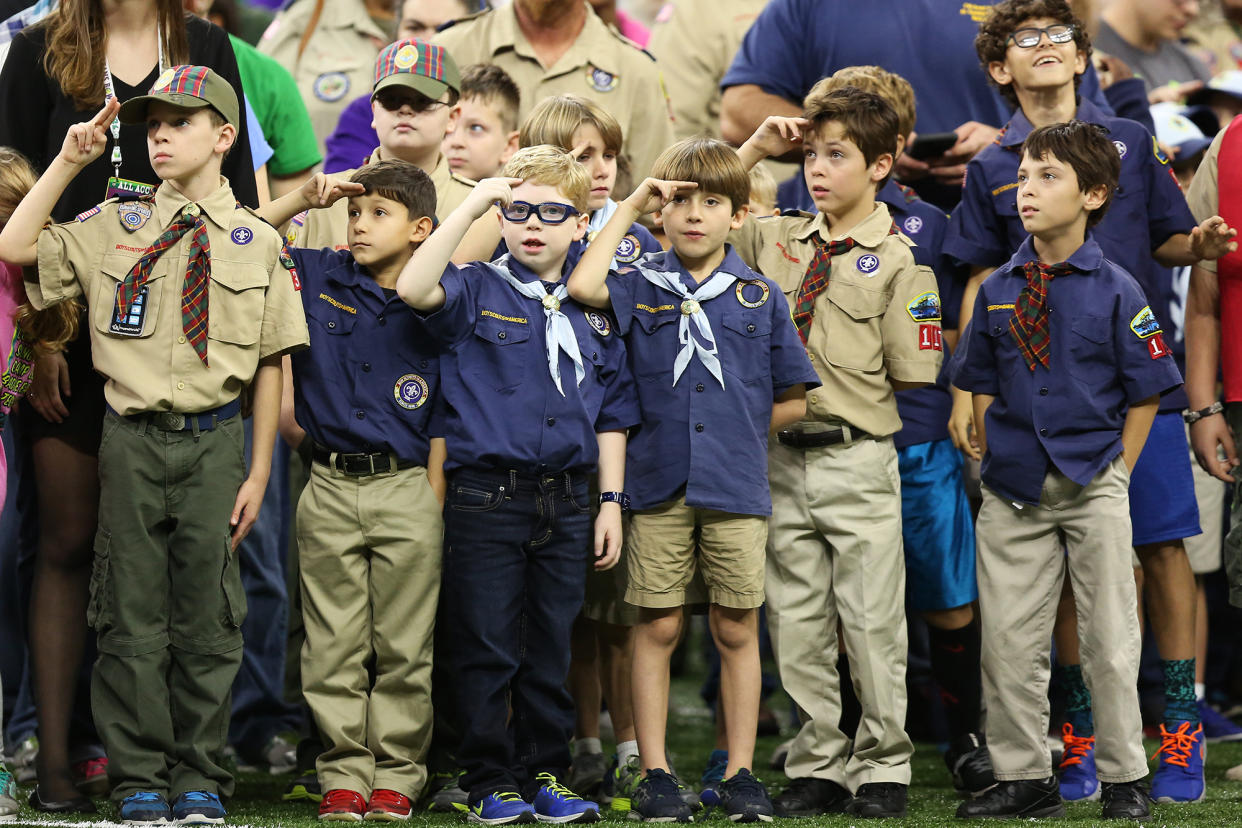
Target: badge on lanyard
(131, 323)
(127, 189)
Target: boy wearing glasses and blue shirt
(414, 104)
(539, 396)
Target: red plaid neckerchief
(1029, 323)
(815, 281)
(193, 291)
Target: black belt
(818, 439)
(361, 465)
(172, 421)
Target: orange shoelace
(1076, 747)
(1176, 746)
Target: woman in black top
(56, 75)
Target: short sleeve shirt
(708, 438)
(1107, 353)
(254, 310)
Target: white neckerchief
(691, 308)
(558, 329)
(598, 219)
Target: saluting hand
(487, 192)
(653, 193)
(778, 135)
(324, 190)
(86, 141)
(1212, 239)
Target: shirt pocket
(656, 349)
(500, 360)
(144, 311)
(853, 331)
(1004, 346)
(1091, 356)
(236, 294)
(745, 345)
(331, 321)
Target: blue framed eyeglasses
(549, 212)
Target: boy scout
(413, 103)
(1066, 362)
(557, 47)
(189, 299)
(834, 544)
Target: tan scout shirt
(1204, 193)
(329, 227)
(252, 306)
(338, 63)
(602, 65)
(864, 331)
(694, 41)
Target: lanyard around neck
(110, 93)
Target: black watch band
(1195, 416)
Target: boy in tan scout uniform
(834, 545)
(577, 54)
(189, 300)
(414, 105)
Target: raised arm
(320, 190)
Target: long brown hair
(75, 46)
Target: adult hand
(49, 387)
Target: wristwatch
(1196, 416)
(616, 497)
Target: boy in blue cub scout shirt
(369, 522)
(1036, 52)
(719, 365)
(538, 396)
(1066, 363)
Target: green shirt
(278, 104)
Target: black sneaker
(744, 799)
(807, 796)
(1126, 800)
(970, 764)
(878, 800)
(1025, 798)
(659, 798)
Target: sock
(1077, 699)
(1200, 691)
(626, 751)
(587, 745)
(955, 666)
(1180, 703)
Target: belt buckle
(170, 421)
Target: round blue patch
(600, 80)
(628, 249)
(241, 235)
(599, 323)
(410, 391)
(912, 225)
(1121, 148)
(331, 86)
(868, 262)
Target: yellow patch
(521, 320)
(977, 12)
(1000, 190)
(334, 303)
(1000, 307)
(406, 56)
(650, 309)
(163, 80)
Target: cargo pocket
(99, 609)
(234, 594)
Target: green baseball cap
(191, 87)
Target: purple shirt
(354, 139)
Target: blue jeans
(515, 550)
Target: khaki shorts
(605, 594)
(661, 556)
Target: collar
(1086, 259)
(524, 273)
(219, 206)
(870, 232)
(731, 264)
(507, 34)
(352, 16)
(1019, 125)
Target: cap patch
(413, 57)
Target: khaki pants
(835, 553)
(370, 550)
(1021, 563)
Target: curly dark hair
(991, 43)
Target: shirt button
(698, 387)
(361, 415)
(181, 386)
(381, 320)
(331, 325)
(698, 427)
(422, 364)
(1043, 432)
(996, 329)
(500, 335)
(810, 356)
(750, 328)
(551, 421)
(181, 340)
(1043, 392)
(366, 366)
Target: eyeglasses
(1029, 38)
(549, 212)
(393, 100)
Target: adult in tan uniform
(329, 46)
(558, 47)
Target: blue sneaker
(558, 804)
(717, 763)
(1077, 777)
(501, 808)
(145, 808)
(1216, 726)
(1179, 777)
(198, 808)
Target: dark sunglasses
(393, 100)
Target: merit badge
(867, 263)
(599, 323)
(930, 338)
(600, 80)
(1144, 324)
(131, 323)
(628, 250)
(410, 391)
(913, 224)
(406, 56)
(331, 86)
(287, 261)
(164, 79)
(757, 290)
(242, 235)
(925, 307)
(1121, 148)
(83, 216)
(133, 214)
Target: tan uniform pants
(1021, 563)
(370, 552)
(835, 553)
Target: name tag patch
(930, 338)
(130, 324)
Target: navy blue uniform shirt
(636, 243)
(1146, 210)
(371, 378)
(1107, 352)
(504, 411)
(697, 435)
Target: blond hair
(878, 81)
(553, 166)
(763, 187)
(555, 120)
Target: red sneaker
(342, 805)
(389, 806)
(91, 776)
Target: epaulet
(909, 193)
(461, 179)
(790, 214)
(250, 211)
(450, 24)
(615, 32)
(96, 210)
